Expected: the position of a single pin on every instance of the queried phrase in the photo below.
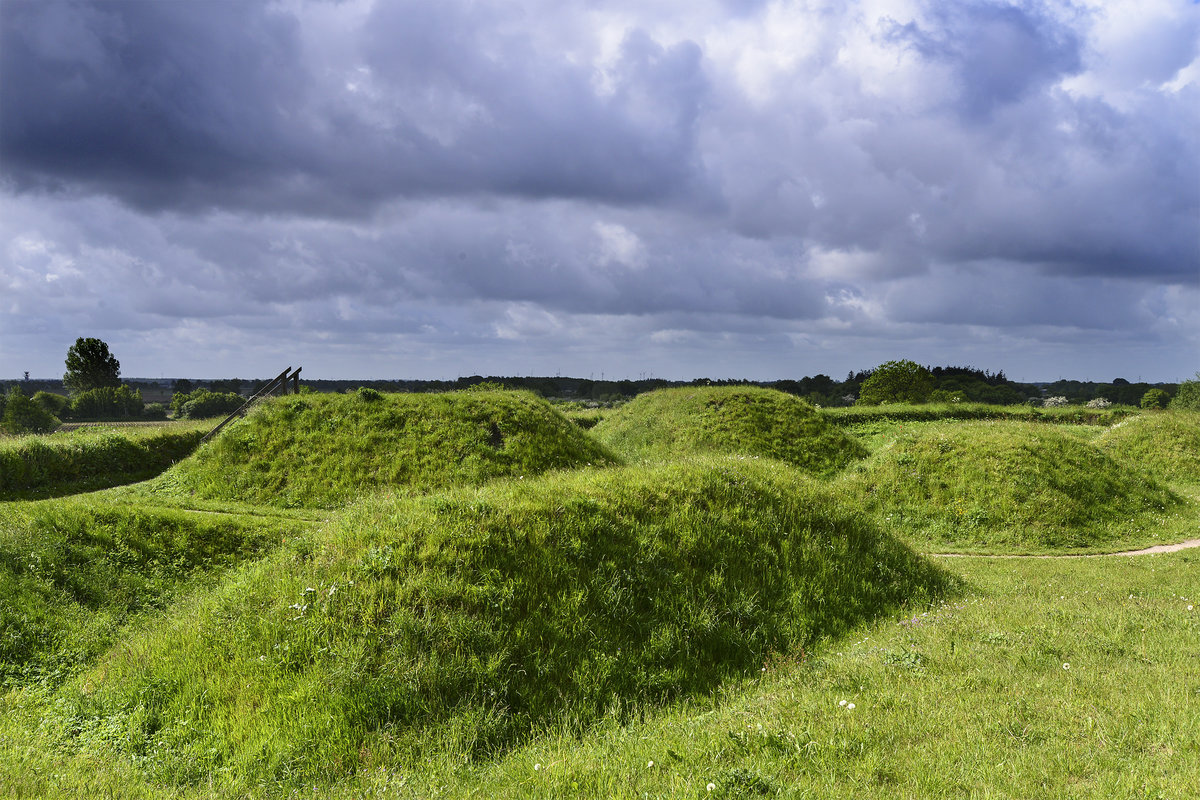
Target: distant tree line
(93, 390)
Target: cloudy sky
(677, 188)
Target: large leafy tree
(896, 382)
(91, 366)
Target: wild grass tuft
(470, 620)
(321, 451)
(1008, 487)
(673, 423)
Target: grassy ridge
(1167, 443)
(674, 423)
(74, 572)
(933, 412)
(976, 486)
(321, 451)
(32, 466)
(472, 619)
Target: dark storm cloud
(191, 105)
(722, 180)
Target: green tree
(22, 415)
(896, 382)
(91, 366)
(107, 403)
(1155, 398)
(1188, 395)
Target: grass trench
(33, 467)
(74, 573)
(471, 620)
(1009, 487)
(321, 451)
(674, 423)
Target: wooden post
(296, 380)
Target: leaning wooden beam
(279, 379)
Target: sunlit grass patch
(674, 423)
(1166, 443)
(471, 620)
(74, 572)
(1008, 486)
(321, 451)
(38, 466)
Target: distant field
(701, 593)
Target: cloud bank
(757, 189)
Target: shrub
(1155, 398)
(896, 382)
(1188, 396)
(154, 411)
(22, 415)
(946, 396)
(1054, 402)
(107, 402)
(203, 403)
(368, 395)
(57, 404)
(1098, 402)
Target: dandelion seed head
(537, 767)
(850, 706)
(649, 764)
(1066, 666)
(841, 702)
(711, 787)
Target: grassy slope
(74, 572)
(673, 423)
(33, 467)
(320, 451)
(468, 620)
(1167, 443)
(1016, 487)
(966, 699)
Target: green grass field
(751, 613)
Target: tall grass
(73, 573)
(321, 451)
(1009, 487)
(933, 412)
(673, 423)
(471, 620)
(87, 459)
(1164, 442)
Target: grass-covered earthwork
(1011, 487)
(321, 451)
(712, 593)
(673, 423)
(91, 458)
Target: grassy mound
(473, 618)
(980, 486)
(91, 458)
(73, 572)
(670, 423)
(319, 451)
(1166, 443)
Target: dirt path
(1158, 548)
